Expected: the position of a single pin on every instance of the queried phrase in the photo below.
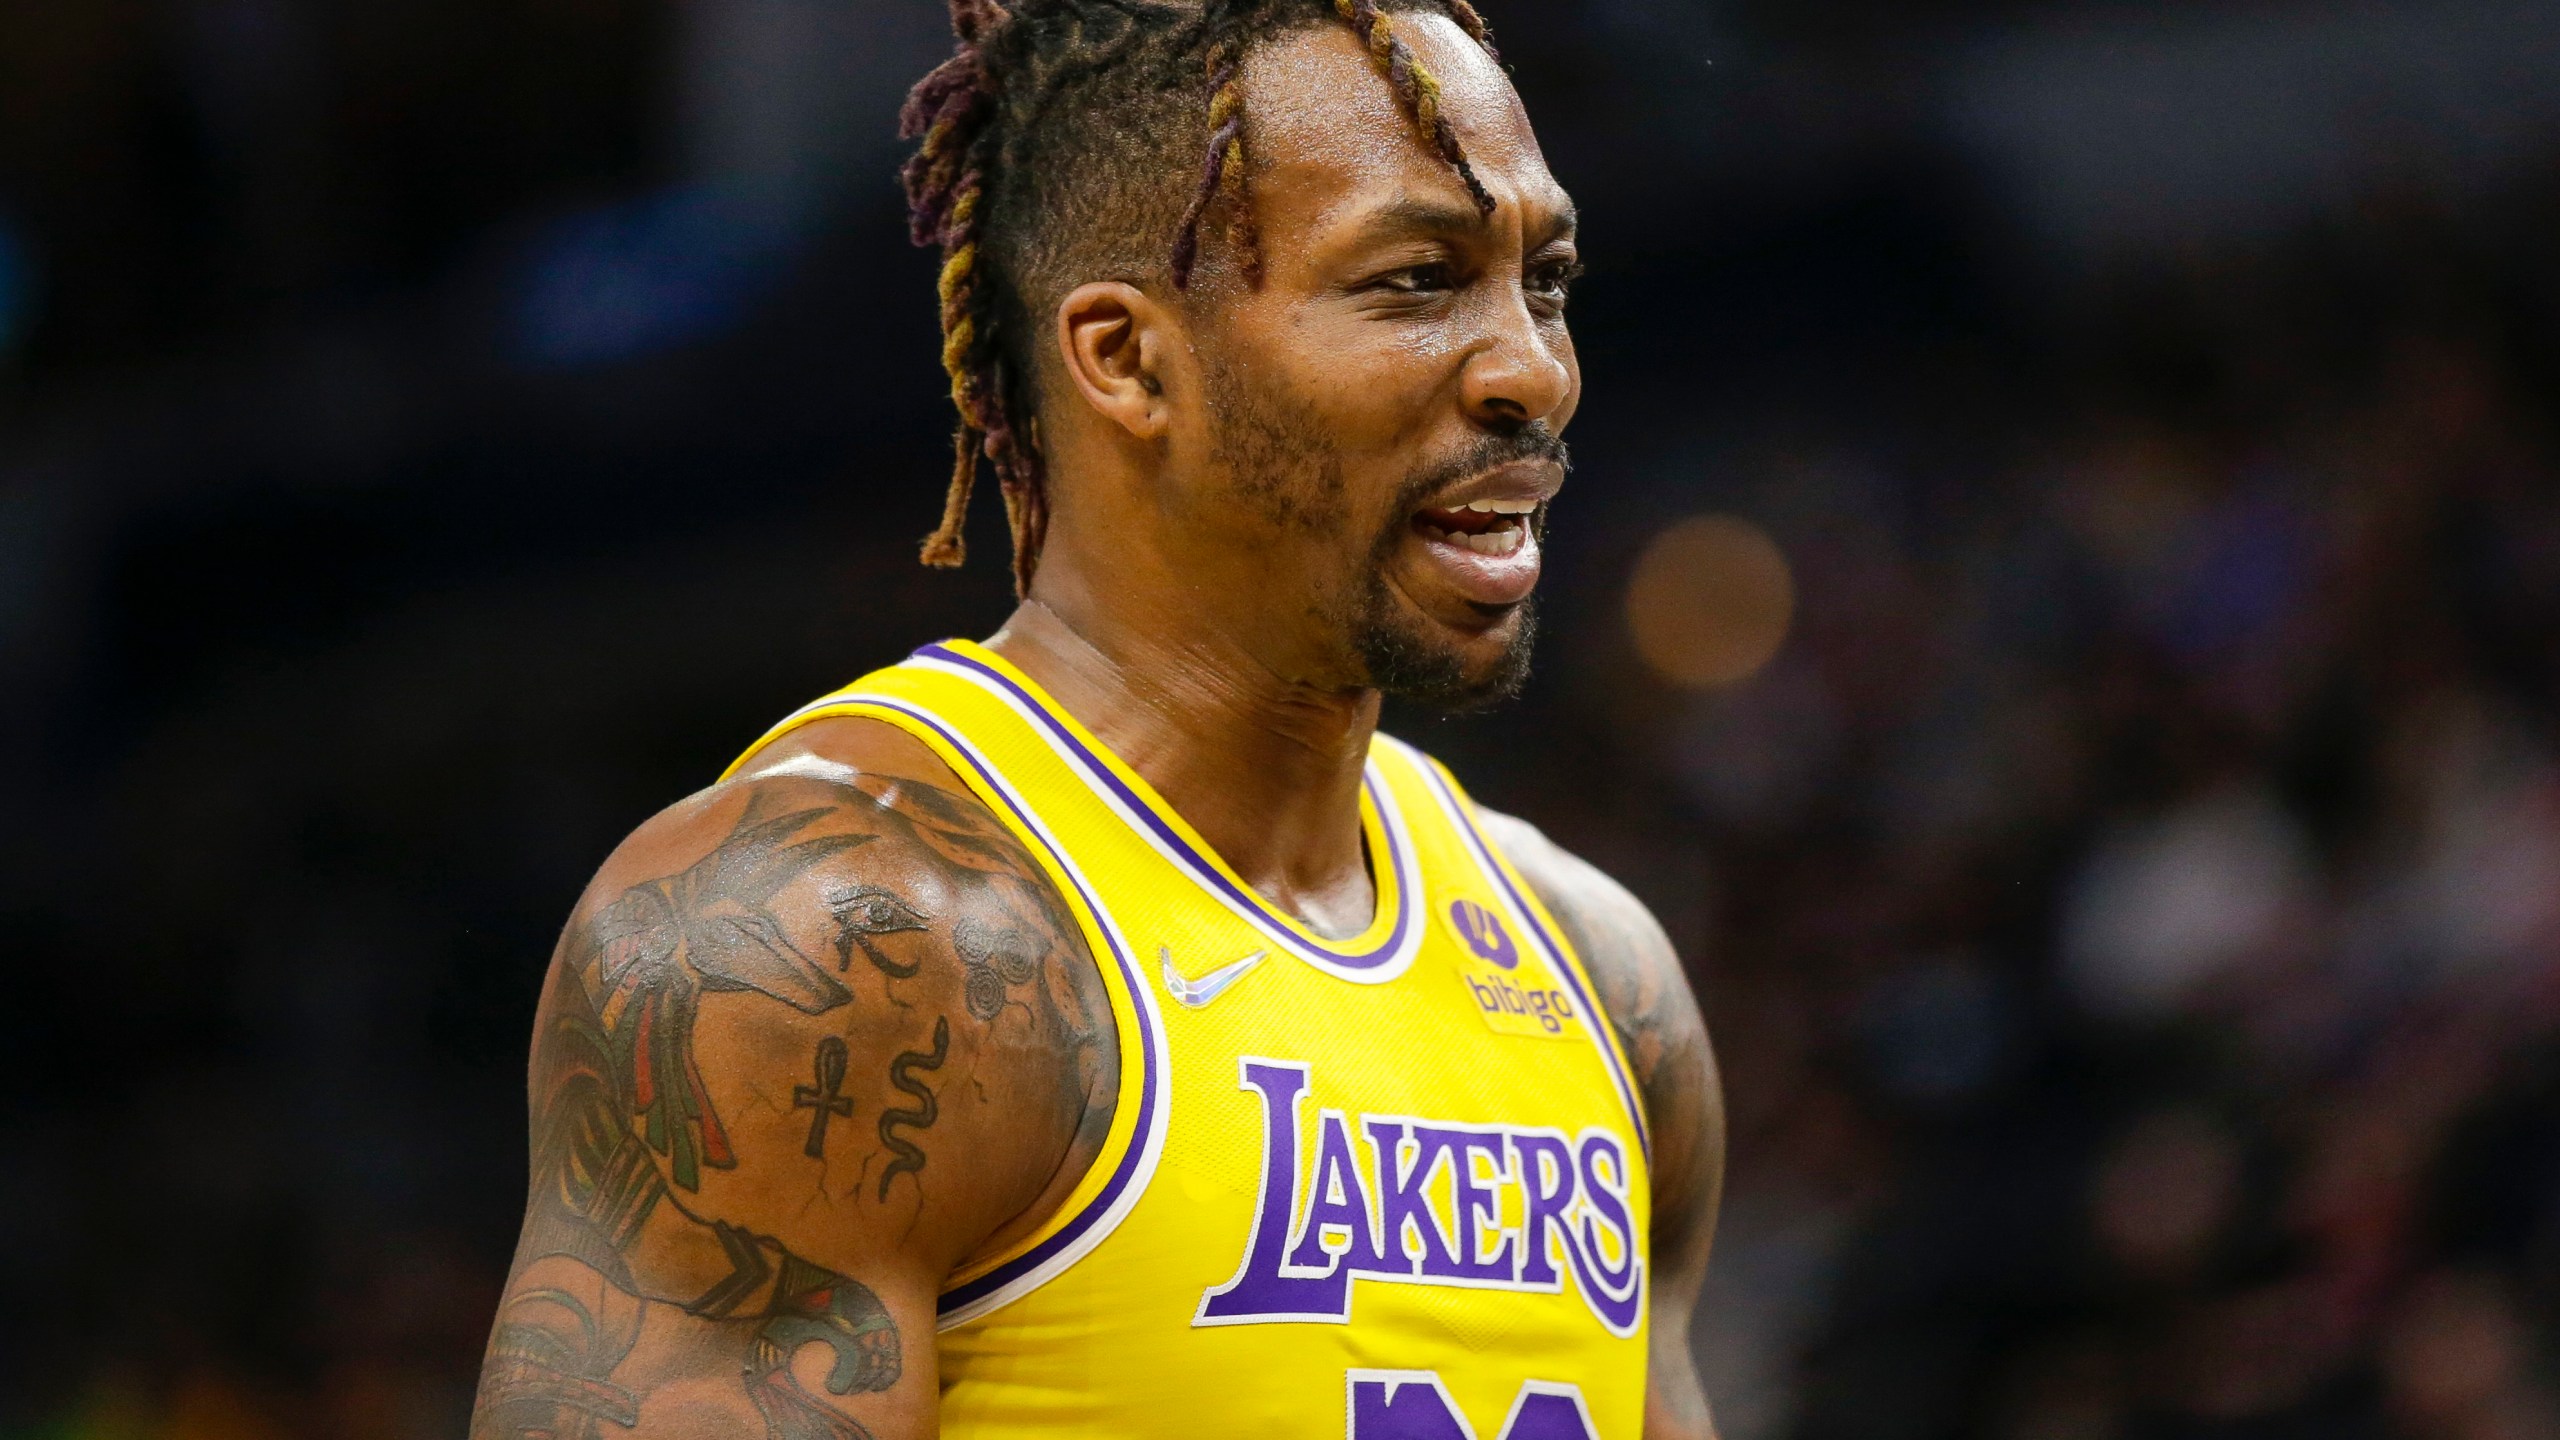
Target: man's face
(1385, 410)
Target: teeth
(1495, 542)
(1503, 507)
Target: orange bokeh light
(1710, 602)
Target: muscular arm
(1657, 1022)
(811, 1040)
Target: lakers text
(1374, 1205)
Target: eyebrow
(1424, 216)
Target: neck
(1266, 768)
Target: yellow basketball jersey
(1391, 1187)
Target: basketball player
(1103, 1031)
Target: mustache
(1533, 441)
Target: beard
(1282, 465)
(1408, 662)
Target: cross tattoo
(827, 1096)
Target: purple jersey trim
(1572, 974)
(962, 1296)
(1207, 871)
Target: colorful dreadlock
(980, 110)
(1473, 23)
(1222, 175)
(945, 183)
(1417, 87)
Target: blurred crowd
(2129, 908)
(2126, 900)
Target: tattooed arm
(812, 1039)
(1656, 1018)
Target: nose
(1521, 371)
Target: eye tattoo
(865, 911)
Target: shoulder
(812, 1039)
(1629, 955)
(1645, 992)
(843, 923)
(849, 833)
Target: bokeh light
(1711, 601)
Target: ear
(1115, 341)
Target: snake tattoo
(902, 1075)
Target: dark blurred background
(2058, 613)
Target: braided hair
(1044, 141)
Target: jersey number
(1414, 1405)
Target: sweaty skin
(819, 1034)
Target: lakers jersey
(1391, 1187)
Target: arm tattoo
(910, 1160)
(825, 1094)
(865, 911)
(714, 916)
(996, 959)
(622, 1280)
(1650, 1009)
(1631, 992)
(578, 1302)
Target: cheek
(1377, 386)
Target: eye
(1552, 282)
(1432, 279)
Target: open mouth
(1483, 553)
(1486, 527)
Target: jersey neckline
(1379, 953)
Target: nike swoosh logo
(1197, 994)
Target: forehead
(1327, 129)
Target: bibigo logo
(1512, 1000)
